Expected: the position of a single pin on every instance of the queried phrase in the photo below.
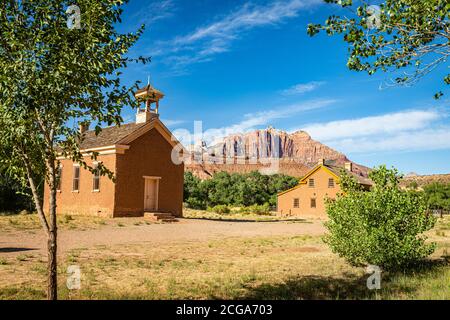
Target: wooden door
(151, 194)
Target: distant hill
(297, 153)
(425, 179)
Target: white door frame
(157, 191)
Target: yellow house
(307, 199)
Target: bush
(235, 189)
(221, 209)
(195, 203)
(13, 196)
(256, 209)
(438, 196)
(383, 226)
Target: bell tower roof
(148, 93)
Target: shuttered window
(331, 183)
(313, 202)
(296, 203)
(311, 183)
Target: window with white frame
(96, 178)
(76, 178)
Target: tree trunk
(49, 228)
(52, 284)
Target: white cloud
(155, 11)
(429, 139)
(385, 124)
(172, 122)
(412, 130)
(302, 88)
(252, 120)
(206, 41)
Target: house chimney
(321, 162)
(83, 127)
(349, 166)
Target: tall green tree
(235, 189)
(384, 226)
(56, 70)
(438, 195)
(411, 35)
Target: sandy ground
(20, 242)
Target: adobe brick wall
(304, 193)
(86, 201)
(149, 155)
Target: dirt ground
(16, 242)
(213, 257)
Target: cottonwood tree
(53, 75)
(412, 35)
(385, 226)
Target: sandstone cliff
(296, 153)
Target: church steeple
(150, 96)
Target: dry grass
(233, 216)
(271, 267)
(30, 222)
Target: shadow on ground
(348, 287)
(10, 250)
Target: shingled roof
(150, 91)
(359, 177)
(108, 136)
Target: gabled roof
(108, 136)
(359, 178)
(334, 171)
(125, 134)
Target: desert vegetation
(384, 226)
(239, 190)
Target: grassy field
(269, 267)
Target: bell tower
(150, 96)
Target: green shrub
(234, 189)
(67, 218)
(221, 209)
(256, 209)
(195, 203)
(383, 226)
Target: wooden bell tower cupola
(150, 96)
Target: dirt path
(20, 242)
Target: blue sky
(238, 66)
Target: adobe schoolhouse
(307, 199)
(140, 155)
